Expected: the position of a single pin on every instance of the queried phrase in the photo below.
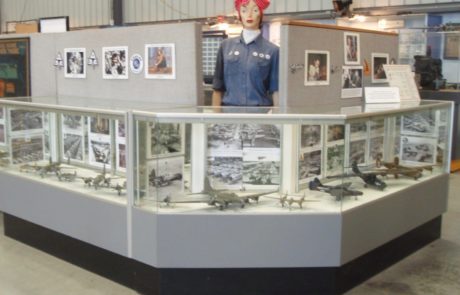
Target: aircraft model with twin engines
(220, 198)
(396, 169)
(370, 178)
(339, 191)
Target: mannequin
(247, 66)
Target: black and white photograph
(121, 132)
(100, 126)
(161, 61)
(310, 136)
(418, 149)
(335, 160)
(2, 134)
(376, 149)
(420, 123)
(443, 115)
(225, 172)
(265, 173)
(352, 81)
(351, 48)
(397, 145)
(72, 124)
(377, 127)
(335, 132)
(224, 137)
(317, 68)
(27, 149)
(309, 165)
(165, 138)
(260, 135)
(378, 72)
(2, 112)
(99, 152)
(165, 176)
(121, 156)
(73, 147)
(358, 151)
(442, 135)
(358, 129)
(75, 63)
(22, 120)
(115, 64)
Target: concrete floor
(432, 270)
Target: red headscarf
(262, 4)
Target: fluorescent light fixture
(53, 24)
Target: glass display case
(246, 160)
(65, 143)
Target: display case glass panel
(262, 160)
(63, 145)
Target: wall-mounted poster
(317, 68)
(378, 72)
(351, 48)
(161, 61)
(352, 81)
(115, 65)
(75, 63)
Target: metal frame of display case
(188, 247)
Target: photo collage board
(424, 137)
(166, 160)
(26, 135)
(116, 63)
(244, 156)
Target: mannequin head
(251, 12)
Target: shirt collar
(256, 41)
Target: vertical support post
(198, 157)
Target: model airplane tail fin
(313, 185)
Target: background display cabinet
(67, 163)
(232, 177)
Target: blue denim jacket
(247, 73)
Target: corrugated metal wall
(82, 13)
(383, 3)
(159, 10)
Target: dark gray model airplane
(220, 198)
(370, 178)
(339, 191)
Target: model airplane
(338, 191)
(396, 165)
(220, 198)
(370, 178)
(119, 188)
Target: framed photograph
(358, 151)
(260, 136)
(165, 177)
(351, 48)
(420, 123)
(309, 165)
(310, 136)
(99, 153)
(115, 65)
(166, 139)
(418, 150)
(378, 72)
(161, 61)
(73, 147)
(75, 63)
(225, 172)
(335, 160)
(317, 68)
(352, 81)
(25, 120)
(451, 45)
(27, 149)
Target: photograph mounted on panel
(99, 152)
(317, 68)
(358, 151)
(2, 134)
(121, 156)
(261, 174)
(25, 120)
(260, 135)
(2, 112)
(27, 149)
(100, 125)
(224, 137)
(309, 165)
(420, 123)
(165, 176)
(358, 130)
(225, 172)
(378, 72)
(72, 124)
(335, 132)
(352, 81)
(15, 67)
(335, 160)
(73, 147)
(161, 61)
(115, 62)
(310, 136)
(75, 63)
(165, 139)
(376, 150)
(418, 149)
(351, 48)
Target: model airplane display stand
(214, 207)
